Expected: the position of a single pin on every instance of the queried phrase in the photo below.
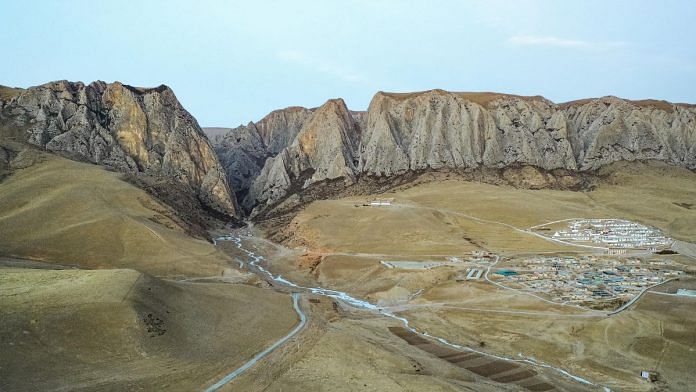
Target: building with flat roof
(381, 202)
(686, 292)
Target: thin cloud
(329, 68)
(551, 41)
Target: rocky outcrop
(325, 148)
(437, 129)
(130, 129)
(243, 150)
(279, 128)
(611, 129)
(242, 154)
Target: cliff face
(325, 148)
(242, 154)
(438, 129)
(243, 150)
(611, 129)
(279, 128)
(133, 130)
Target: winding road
(347, 299)
(637, 297)
(231, 376)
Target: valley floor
(339, 244)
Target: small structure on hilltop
(381, 202)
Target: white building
(381, 202)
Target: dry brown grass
(78, 214)
(7, 93)
(78, 329)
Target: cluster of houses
(613, 233)
(587, 278)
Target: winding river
(255, 266)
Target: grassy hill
(72, 213)
(116, 320)
(123, 330)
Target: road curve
(231, 376)
(637, 297)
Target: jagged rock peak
(436, 129)
(244, 150)
(330, 140)
(131, 129)
(279, 128)
(325, 148)
(242, 154)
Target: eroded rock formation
(437, 129)
(325, 148)
(133, 130)
(243, 150)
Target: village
(593, 281)
(613, 233)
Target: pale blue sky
(231, 61)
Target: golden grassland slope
(649, 193)
(455, 216)
(72, 213)
(124, 330)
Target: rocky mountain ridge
(243, 150)
(130, 129)
(436, 129)
(325, 148)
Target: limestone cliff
(444, 130)
(243, 150)
(279, 128)
(134, 130)
(437, 129)
(325, 148)
(242, 154)
(611, 129)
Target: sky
(231, 62)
